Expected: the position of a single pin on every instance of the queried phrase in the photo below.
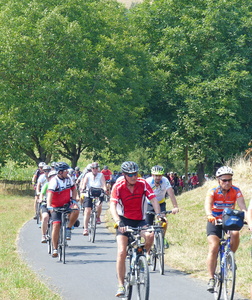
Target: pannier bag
(95, 192)
(232, 219)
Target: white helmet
(41, 164)
(224, 171)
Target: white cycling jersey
(161, 189)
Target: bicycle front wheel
(127, 281)
(49, 238)
(64, 243)
(153, 257)
(92, 230)
(143, 278)
(37, 212)
(160, 252)
(229, 276)
(218, 279)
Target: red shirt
(107, 174)
(132, 205)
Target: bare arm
(114, 212)
(241, 203)
(170, 192)
(249, 218)
(103, 181)
(155, 205)
(49, 199)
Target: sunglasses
(132, 174)
(226, 180)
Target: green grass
(17, 280)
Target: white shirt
(93, 181)
(161, 189)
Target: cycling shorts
(214, 229)
(44, 209)
(129, 222)
(150, 217)
(88, 202)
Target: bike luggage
(232, 219)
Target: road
(89, 272)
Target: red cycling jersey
(132, 205)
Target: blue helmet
(61, 166)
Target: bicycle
(157, 250)
(62, 243)
(94, 194)
(137, 271)
(225, 273)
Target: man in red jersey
(61, 190)
(128, 205)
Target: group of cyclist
(131, 197)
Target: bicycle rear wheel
(160, 252)
(153, 257)
(218, 279)
(49, 238)
(229, 276)
(143, 278)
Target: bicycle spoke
(229, 276)
(142, 279)
(218, 280)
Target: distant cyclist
(93, 179)
(61, 190)
(128, 207)
(225, 195)
(160, 185)
(35, 178)
(108, 177)
(44, 211)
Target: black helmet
(61, 166)
(129, 167)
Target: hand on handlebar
(175, 210)
(211, 219)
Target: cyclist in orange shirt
(225, 195)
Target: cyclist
(35, 178)
(45, 212)
(108, 177)
(128, 208)
(93, 179)
(160, 185)
(42, 179)
(61, 190)
(222, 196)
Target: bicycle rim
(218, 279)
(160, 251)
(229, 276)
(38, 212)
(153, 258)
(127, 285)
(142, 280)
(64, 243)
(93, 227)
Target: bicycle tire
(37, 212)
(229, 276)
(49, 238)
(160, 252)
(60, 245)
(93, 226)
(127, 284)
(64, 242)
(153, 257)
(143, 278)
(218, 279)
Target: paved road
(89, 272)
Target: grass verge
(17, 280)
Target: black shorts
(129, 222)
(44, 209)
(88, 202)
(214, 229)
(150, 217)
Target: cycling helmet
(157, 170)
(77, 169)
(129, 167)
(94, 165)
(52, 173)
(105, 168)
(46, 167)
(41, 164)
(61, 166)
(88, 168)
(53, 164)
(224, 171)
(70, 171)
